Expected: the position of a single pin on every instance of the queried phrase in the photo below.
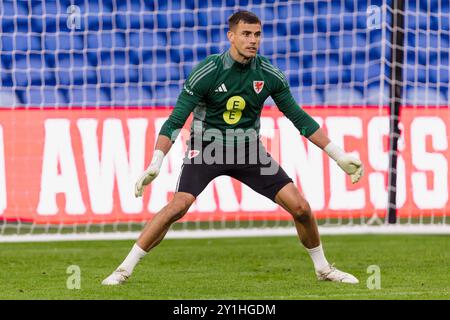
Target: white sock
(135, 255)
(318, 257)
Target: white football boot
(117, 277)
(333, 274)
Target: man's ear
(230, 36)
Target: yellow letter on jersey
(233, 114)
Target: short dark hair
(245, 16)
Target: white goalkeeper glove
(351, 166)
(149, 174)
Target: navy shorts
(249, 163)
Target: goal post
(86, 86)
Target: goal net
(86, 86)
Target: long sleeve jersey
(227, 97)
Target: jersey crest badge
(258, 86)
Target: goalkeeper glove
(349, 164)
(150, 173)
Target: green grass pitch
(412, 267)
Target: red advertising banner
(80, 166)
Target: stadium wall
(62, 166)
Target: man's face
(245, 38)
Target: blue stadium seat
(432, 74)
(283, 12)
(348, 23)
(308, 9)
(216, 35)
(375, 36)
(280, 46)
(8, 9)
(294, 45)
(6, 59)
(22, 24)
(202, 18)
(120, 74)
(295, 9)
(6, 78)
(444, 74)
(445, 21)
(308, 26)
(175, 73)
(161, 39)
(20, 76)
(374, 70)
(50, 23)
(106, 22)
(148, 40)
(7, 42)
(8, 98)
(375, 52)
(202, 37)
(146, 73)
(294, 79)
(306, 61)
(93, 40)
(281, 29)
(268, 31)
(93, 23)
(7, 24)
(22, 8)
(92, 58)
(201, 53)
(294, 28)
(162, 20)
(121, 20)
(307, 43)
(134, 20)
(161, 56)
(106, 75)
(280, 63)
(175, 38)
(293, 64)
(176, 20)
(361, 19)
(216, 3)
(266, 14)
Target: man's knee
(301, 210)
(179, 205)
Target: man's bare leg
(290, 199)
(153, 233)
(155, 230)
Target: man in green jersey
(226, 93)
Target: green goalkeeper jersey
(227, 97)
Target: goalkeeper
(226, 93)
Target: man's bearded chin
(244, 55)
